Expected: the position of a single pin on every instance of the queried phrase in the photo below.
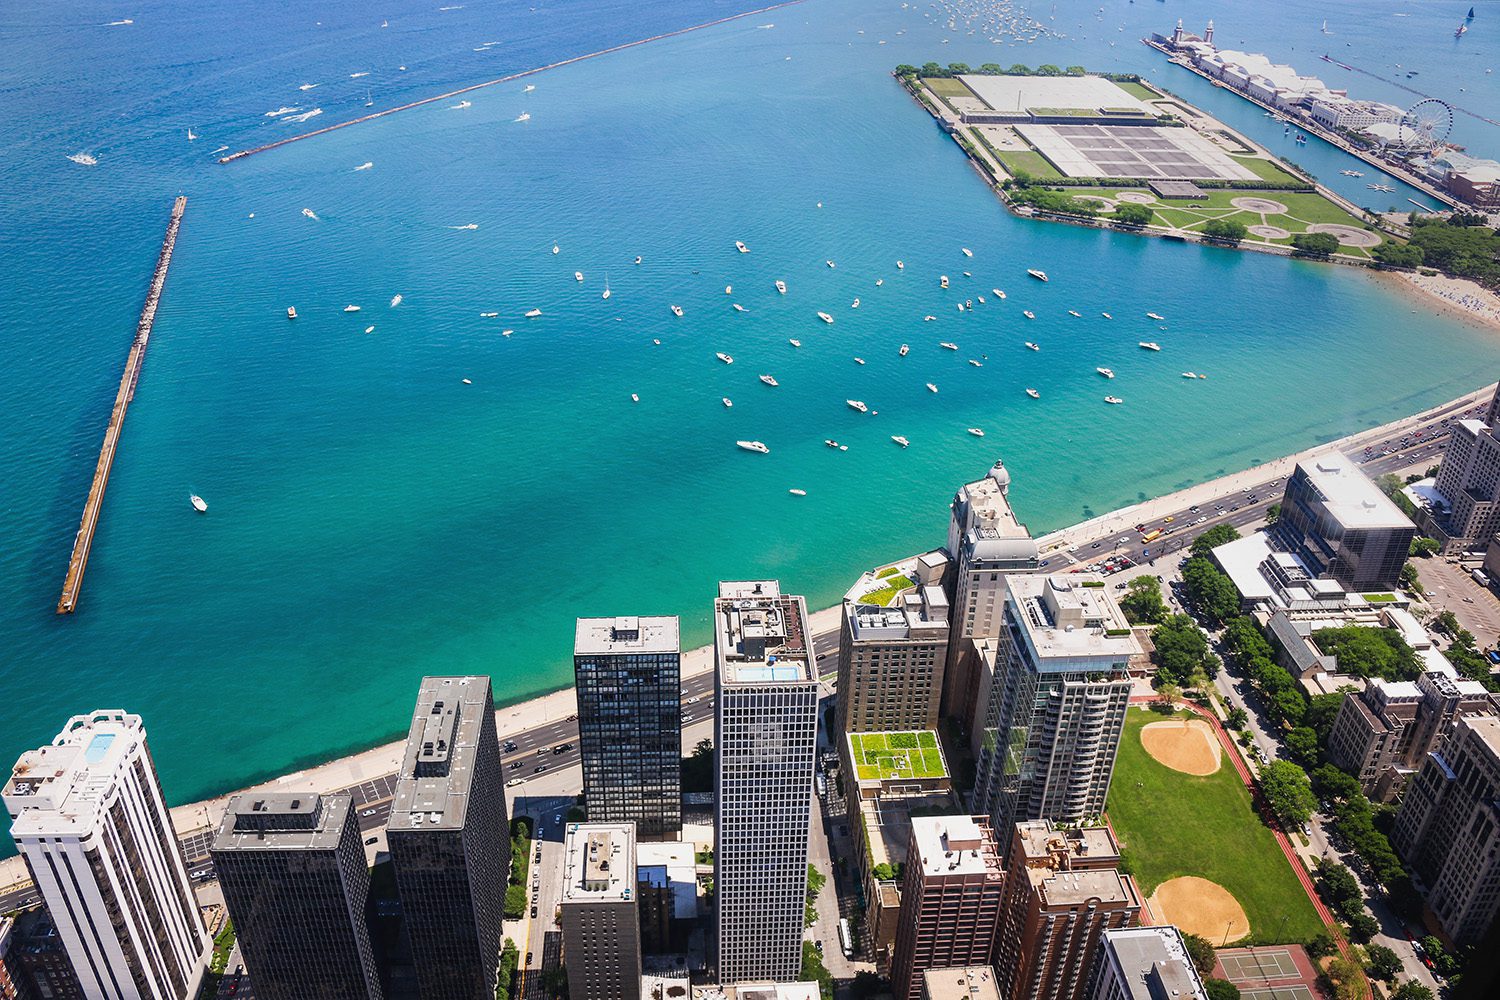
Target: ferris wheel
(1425, 125)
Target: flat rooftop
(1071, 888)
(1061, 93)
(896, 755)
(1040, 840)
(760, 635)
(626, 634)
(1349, 494)
(437, 771)
(60, 789)
(1487, 728)
(761, 991)
(1069, 616)
(1155, 963)
(599, 863)
(1146, 151)
(960, 983)
(670, 865)
(953, 845)
(282, 821)
(920, 614)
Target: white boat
(739, 308)
(855, 404)
(943, 280)
(556, 248)
(825, 317)
(976, 363)
(945, 345)
(634, 398)
(900, 265)
(768, 380)
(795, 342)
(998, 293)
(967, 251)
(879, 282)
(533, 313)
(900, 440)
(488, 315)
(960, 307)
(351, 309)
(798, 493)
(365, 165)
(1158, 318)
(370, 329)
(981, 300)
(310, 214)
(677, 310)
(524, 116)
(928, 318)
(781, 286)
(461, 105)
(84, 159)
(738, 245)
(1038, 275)
(931, 387)
(1191, 375)
(724, 357)
(1106, 372)
(1032, 347)
(754, 446)
(1113, 399)
(728, 289)
(1075, 313)
(1028, 314)
(834, 444)
(1033, 394)
(506, 333)
(529, 88)
(468, 382)
(606, 287)
(638, 260)
(1150, 345)
(976, 432)
(727, 402)
(198, 503)
(904, 350)
(854, 304)
(577, 275)
(830, 263)
(191, 136)
(291, 312)
(1106, 315)
(859, 361)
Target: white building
(89, 818)
(765, 731)
(601, 927)
(1335, 112)
(1145, 963)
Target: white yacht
(905, 349)
(1155, 316)
(724, 357)
(825, 317)
(1075, 313)
(976, 432)
(1107, 373)
(900, 265)
(739, 308)
(1113, 399)
(967, 251)
(855, 404)
(1150, 345)
(859, 361)
(468, 381)
(488, 315)
(854, 304)
(900, 440)
(981, 300)
(998, 293)
(556, 248)
(943, 280)
(945, 345)
(638, 260)
(634, 398)
(351, 309)
(795, 342)
(781, 286)
(1189, 374)
(677, 310)
(738, 245)
(976, 362)
(1028, 314)
(768, 380)
(754, 446)
(1038, 275)
(198, 503)
(797, 493)
(727, 402)
(577, 275)
(524, 116)
(834, 444)
(395, 300)
(1033, 394)
(533, 313)
(291, 312)
(879, 282)
(830, 263)
(1032, 347)
(931, 387)
(928, 319)
(1106, 315)
(606, 287)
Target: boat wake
(307, 86)
(461, 105)
(472, 225)
(315, 112)
(356, 76)
(366, 165)
(281, 111)
(116, 24)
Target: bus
(1151, 535)
(846, 939)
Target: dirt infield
(1186, 745)
(1198, 906)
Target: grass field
(1175, 824)
(945, 87)
(1026, 161)
(1138, 90)
(896, 755)
(1266, 170)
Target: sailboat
(1325, 27)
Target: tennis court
(1262, 963)
(1276, 993)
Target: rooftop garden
(884, 756)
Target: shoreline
(1460, 298)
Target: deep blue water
(373, 518)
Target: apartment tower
(1063, 892)
(985, 542)
(88, 815)
(293, 873)
(628, 681)
(601, 927)
(449, 839)
(891, 663)
(1054, 703)
(766, 731)
(1342, 526)
(951, 900)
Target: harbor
(83, 543)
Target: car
(1045, 563)
(539, 769)
(370, 840)
(1233, 509)
(513, 782)
(1168, 519)
(1121, 586)
(533, 913)
(694, 700)
(1201, 519)
(818, 945)
(528, 955)
(1094, 546)
(1194, 508)
(541, 751)
(516, 765)
(510, 746)
(573, 718)
(367, 812)
(557, 817)
(1251, 498)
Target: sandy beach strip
(1460, 298)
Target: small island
(1112, 150)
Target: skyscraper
(985, 542)
(765, 731)
(600, 915)
(89, 818)
(449, 839)
(1469, 481)
(628, 681)
(1063, 891)
(1342, 526)
(294, 879)
(891, 663)
(1448, 830)
(1055, 707)
(951, 900)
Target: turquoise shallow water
(373, 518)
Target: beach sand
(1457, 297)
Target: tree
(1211, 539)
(1411, 990)
(906, 70)
(1142, 602)
(515, 902)
(1180, 649)
(1347, 979)
(1321, 945)
(1047, 69)
(1302, 745)
(1370, 652)
(1446, 622)
(1202, 952)
(509, 956)
(813, 970)
(991, 69)
(1333, 784)
(1381, 962)
(933, 69)
(1288, 792)
(1238, 717)
(1132, 214)
(1211, 591)
(1273, 514)
(1289, 704)
(1337, 883)
(1019, 69)
(1076, 71)
(1225, 230)
(958, 69)
(1322, 709)
(698, 769)
(1315, 244)
(1221, 989)
(1410, 580)
(1393, 254)
(1168, 695)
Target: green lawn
(1025, 161)
(893, 586)
(1138, 90)
(1174, 824)
(947, 87)
(1266, 170)
(896, 755)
